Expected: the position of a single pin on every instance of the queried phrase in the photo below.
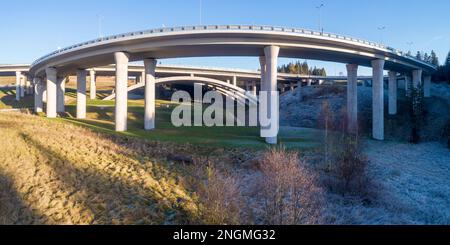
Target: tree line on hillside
(443, 72)
(301, 68)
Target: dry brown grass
(289, 190)
(56, 173)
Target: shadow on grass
(13, 210)
(8, 99)
(116, 201)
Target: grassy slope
(58, 173)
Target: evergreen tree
(434, 59)
(427, 58)
(419, 55)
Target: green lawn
(100, 117)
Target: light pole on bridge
(320, 16)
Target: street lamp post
(320, 16)
(381, 29)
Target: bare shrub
(289, 191)
(345, 162)
(220, 199)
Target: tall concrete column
(262, 62)
(417, 78)
(392, 93)
(299, 88)
(22, 86)
(282, 88)
(60, 92)
(271, 80)
(427, 86)
(254, 89)
(234, 81)
(38, 98)
(292, 86)
(138, 79)
(121, 110)
(352, 98)
(309, 82)
(407, 86)
(81, 94)
(150, 73)
(378, 100)
(93, 85)
(51, 92)
(247, 86)
(18, 88)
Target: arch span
(235, 90)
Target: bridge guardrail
(229, 27)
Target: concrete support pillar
(247, 86)
(408, 84)
(427, 86)
(81, 94)
(150, 103)
(254, 89)
(282, 88)
(22, 86)
(18, 88)
(417, 78)
(299, 89)
(309, 82)
(262, 62)
(60, 92)
(51, 92)
(93, 85)
(392, 93)
(121, 110)
(378, 100)
(38, 98)
(352, 98)
(292, 86)
(29, 89)
(234, 81)
(271, 79)
(138, 79)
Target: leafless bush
(220, 199)
(289, 191)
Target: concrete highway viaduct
(264, 42)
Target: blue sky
(30, 29)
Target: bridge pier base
(150, 103)
(51, 92)
(392, 93)
(38, 95)
(81, 94)
(121, 110)
(60, 91)
(378, 100)
(352, 98)
(427, 86)
(93, 85)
